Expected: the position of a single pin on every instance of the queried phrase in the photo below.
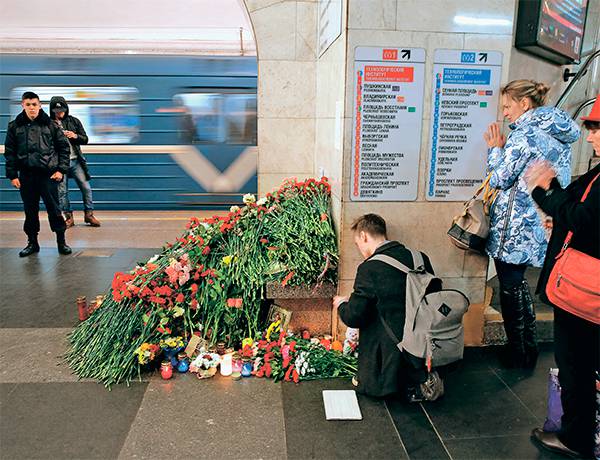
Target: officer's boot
(62, 244)
(32, 246)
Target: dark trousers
(36, 184)
(576, 350)
(509, 275)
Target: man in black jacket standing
(37, 157)
(78, 169)
(380, 292)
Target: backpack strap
(391, 261)
(418, 264)
(418, 261)
(391, 333)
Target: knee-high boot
(511, 301)
(530, 331)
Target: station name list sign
(464, 102)
(388, 113)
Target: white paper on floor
(341, 405)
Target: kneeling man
(379, 295)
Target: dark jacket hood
(42, 118)
(60, 102)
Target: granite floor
(46, 412)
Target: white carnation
(249, 198)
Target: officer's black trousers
(36, 184)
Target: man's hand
(57, 176)
(338, 299)
(16, 183)
(540, 174)
(494, 137)
(70, 134)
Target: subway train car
(165, 132)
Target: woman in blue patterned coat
(517, 237)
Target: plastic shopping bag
(555, 410)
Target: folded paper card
(341, 405)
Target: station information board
(388, 113)
(464, 101)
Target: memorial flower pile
(211, 280)
(294, 359)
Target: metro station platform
(487, 412)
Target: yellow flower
(275, 325)
(247, 341)
(227, 260)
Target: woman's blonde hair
(518, 89)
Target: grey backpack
(433, 327)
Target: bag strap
(489, 194)
(418, 263)
(391, 333)
(393, 262)
(570, 233)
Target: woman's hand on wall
(494, 137)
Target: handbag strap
(570, 233)
(489, 193)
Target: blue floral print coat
(516, 232)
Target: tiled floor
(47, 413)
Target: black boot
(530, 332)
(62, 244)
(511, 301)
(32, 246)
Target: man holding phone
(37, 158)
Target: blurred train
(166, 132)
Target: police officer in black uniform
(37, 158)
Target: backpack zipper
(581, 288)
(511, 200)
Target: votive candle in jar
(226, 364)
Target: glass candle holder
(166, 370)
(237, 365)
(226, 364)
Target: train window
(217, 118)
(240, 118)
(201, 119)
(110, 114)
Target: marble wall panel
(286, 145)
(255, 5)
(306, 31)
(286, 89)
(421, 226)
(275, 31)
(458, 16)
(372, 14)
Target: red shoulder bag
(574, 283)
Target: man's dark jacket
(71, 123)
(567, 213)
(379, 289)
(37, 144)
